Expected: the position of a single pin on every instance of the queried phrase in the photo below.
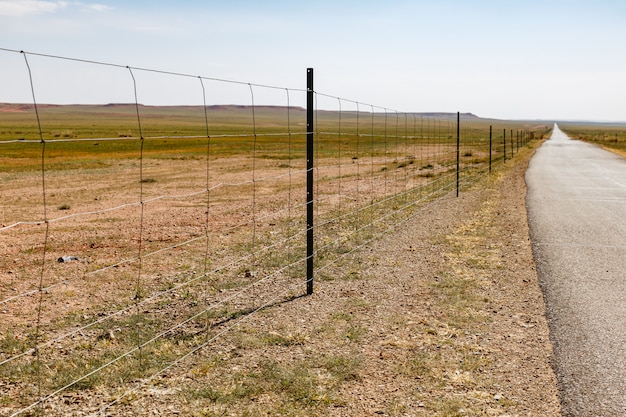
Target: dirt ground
(441, 317)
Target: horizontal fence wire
(136, 236)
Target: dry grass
(267, 349)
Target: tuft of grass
(343, 368)
(64, 207)
(474, 363)
(417, 365)
(355, 333)
(13, 344)
(290, 339)
(298, 388)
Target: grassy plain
(179, 235)
(610, 136)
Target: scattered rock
(65, 259)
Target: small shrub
(64, 207)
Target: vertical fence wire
(385, 140)
(372, 171)
(289, 188)
(317, 169)
(339, 175)
(138, 290)
(253, 267)
(394, 154)
(358, 172)
(405, 160)
(207, 236)
(40, 301)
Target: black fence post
(504, 141)
(458, 149)
(309, 180)
(512, 145)
(490, 145)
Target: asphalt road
(577, 216)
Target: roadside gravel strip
(577, 209)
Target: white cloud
(18, 8)
(97, 7)
(29, 7)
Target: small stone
(498, 397)
(64, 259)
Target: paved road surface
(577, 215)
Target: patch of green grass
(297, 388)
(277, 339)
(342, 368)
(340, 315)
(417, 365)
(355, 333)
(12, 344)
(474, 363)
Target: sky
(531, 59)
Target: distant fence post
(309, 181)
(504, 141)
(490, 144)
(458, 149)
(512, 145)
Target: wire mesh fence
(134, 235)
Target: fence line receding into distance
(133, 236)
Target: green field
(608, 135)
(86, 136)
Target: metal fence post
(490, 145)
(309, 180)
(512, 145)
(504, 141)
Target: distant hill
(22, 107)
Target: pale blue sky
(545, 59)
